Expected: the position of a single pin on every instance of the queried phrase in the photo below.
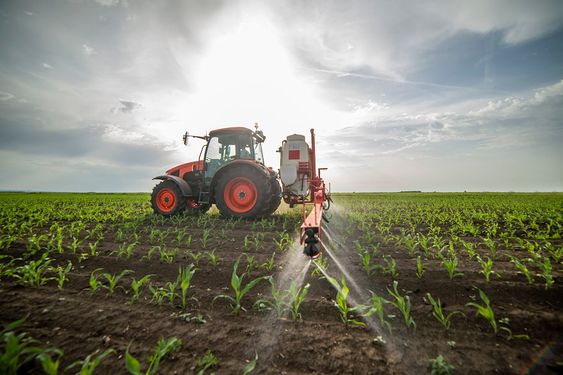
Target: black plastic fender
(183, 185)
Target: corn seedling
(487, 313)
(296, 298)
(61, 274)
(451, 266)
(257, 241)
(94, 281)
(487, 267)
(196, 256)
(403, 304)
(88, 365)
(438, 313)
(50, 364)
(420, 269)
(34, 272)
(158, 294)
(390, 266)
(269, 265)
(163, 348)
(112, 280)
(239, 289)
(321, 266)
(546, 270)
(185, 276)
(346, 312)
(19, 349)
(205, 238)
(278, 302)
(440, 367)
(249, 263)
(207, 361)
(523, 269)
(250, 366)
(212, 257)
(365, 258)
(376, 308)
(136, 286)
(93, 246)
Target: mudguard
(183, 185)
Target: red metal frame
(317, 197)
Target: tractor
(230, 173)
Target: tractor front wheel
(242, 192)
(167, 199)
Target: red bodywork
(186, 167)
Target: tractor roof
(232, 130)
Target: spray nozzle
(312, 244)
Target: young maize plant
(451, 266)
(487, 313)
(34, 272)
(522, 268)
(278, 302)
(185, 276)
(347, 313)
(296, 298)
(487, 268)
(438, 313)
(270, 264)
(239, 289)
(205, 237)
(62, 274)
(282, 242)
(94, 281)
(440, 367)
(196, 256)
(321, 267)
(136, 286)
(546, 269)
(207, 361)
(390, 266)
(419, 267)
(212, 257)
(257, 241)
(250, 366)
(365, 258)
(376, 308)
(403, 304)
(163, 348)
(20, 349)
(112, 280)
(89, 364)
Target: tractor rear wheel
(242, 192)
(167, 199)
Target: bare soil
(80, 322)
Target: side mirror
(185, 138)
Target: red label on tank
(294, 155)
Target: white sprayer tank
(294, 165)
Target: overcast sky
(404, 95)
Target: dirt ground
(80, 322)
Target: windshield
(258, 156)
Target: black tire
(261, 185)
(167, 190)
(275, 196)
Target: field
(408, 283)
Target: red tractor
(230, 173)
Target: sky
(95, 95)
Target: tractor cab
(229, 144)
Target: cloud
(89, 51)
(46, 66)
(112, 3)
(391, 38)
(127, 106)
(5, 96)
(504, 123)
